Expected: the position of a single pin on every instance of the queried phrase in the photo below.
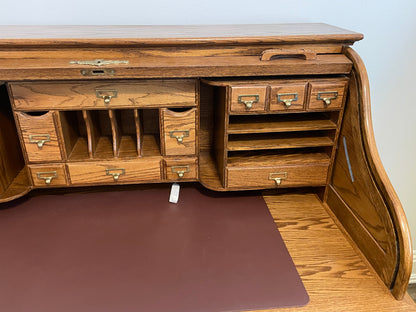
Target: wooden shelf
(272, 159)
(18, 187)
(263, 126)
(247, 142)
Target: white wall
(388, 50)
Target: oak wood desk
(238, 107)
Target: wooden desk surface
(333, 272)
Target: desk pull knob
(277, 177)
(286, 100)
(180, 170)
(115, 173)
(39, 139)
(106, 95)
(47, 176)
(179, 135)
(327, 97)
(248, 103)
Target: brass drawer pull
(106, 95)
(248, 103)
(115, 172)
(277, 177)
(39, 139)
(47, 176)
(180, 170)
(327, 99)
(179, 137)
(288, 102)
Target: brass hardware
(47, 176)
(116, 174)
(179, 138)
(39, 139)
(327, 99)
(106, 95)
(99, 62)
(248, 103)
(288, 102)
(177, 169)
(98, 72)
(278, 177)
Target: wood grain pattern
(56, 171)
(270, 124)
(398, 217)
(11, 156)
(135, 171)
(182, 124)
(327, 90)
(37, 128)
(188, 165)
(41, 96)
(258, 175)
(281, 92)
(334, 273)
(167, 35)
(255, 96)
(365, 215)
(273, 141)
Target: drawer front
(246, 99)
(287, 97)
(181, 169)
(98, 95)
(327, 95)
(40, 137)
(115, 172)
(48, 175)
(178, 132)
(286, 176)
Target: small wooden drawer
(99, 95)
(48, 175)
(245, 99)
(327, 94)
(279, 176)
(181, 169)
(287, 97)
(178, 131)
(115, 172)
(39, 136)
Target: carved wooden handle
(270, 54)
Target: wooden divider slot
(115, 131)
(138, 121)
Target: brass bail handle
(115, 173)
(287, 101)
(277, 177)
(248, 103)
(327, 96)
(179, 135)
(47, 176)
(180, 170)
(39, 139)
(106, 95)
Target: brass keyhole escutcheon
(248, 103)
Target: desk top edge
(175, 34)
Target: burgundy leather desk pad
(131, 250)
